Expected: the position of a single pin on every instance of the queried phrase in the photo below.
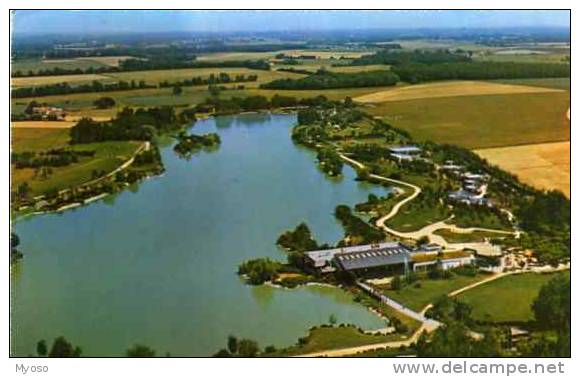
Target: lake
(156, 264)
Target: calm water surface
(157, 264)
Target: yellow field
(43, 124)
(229, 56)
(448, 89)
(19, 82)
(544, 166)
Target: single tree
(41, 348)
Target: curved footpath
(429, 229)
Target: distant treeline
(331, 80)
(391, 57)
(131, 65)
(97, 86)
(212, 79)
(66, 88)
(414, 73)
(256, 103)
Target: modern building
(359, 257)
(405, 152)
(443, 260)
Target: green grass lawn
(425, 291)
(508, 298)
(331, 338)
(414, 216)
(482, 121)
(466, 237)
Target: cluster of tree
(66, 88)
(330, 161)
(397, 57)
(241, 348)
(212, 79)
(187, 144)
(260, 270)
(300, 239)
(330, 80)
(15, 254)
(129, 124)
(415, 73)
(60, 348)
(148, 157)
(546, 213)
(296, 70)
(357, 230)
(52, 158)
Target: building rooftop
(405, 149)
(373, 258)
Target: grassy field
(331, 338)
(426, 291)
(477, 236)
(544, 166)
(108, 156)
(508, 298)
(447, 89)
(555, 83)
(19, 82)
(482, 121)
(535, 57)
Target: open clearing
(508, 298)
(448, 89)
(544, 166)
(19, 82)
(487, 121)
(42, 124)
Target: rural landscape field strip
(545, 166)
(448, 89)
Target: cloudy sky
(52, 21)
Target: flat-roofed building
(359, 257)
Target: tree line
(394, 57)
(97, 86)
(131, 65)
(323, 79)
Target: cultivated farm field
(482, 121)
(544, 166)
(448, 89)
(19, 82)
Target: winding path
(429, 229)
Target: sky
(109, 21)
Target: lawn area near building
(332, 338)
(477, 236)
(425, 291)
(507, 299)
